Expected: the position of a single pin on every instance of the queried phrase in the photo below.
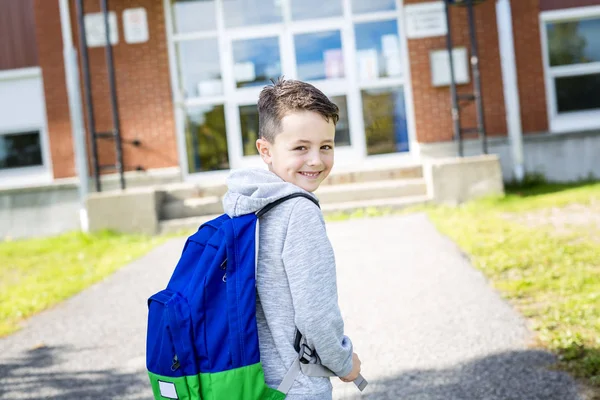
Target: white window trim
(577, 120)
(33, 175)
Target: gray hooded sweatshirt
(296, 282)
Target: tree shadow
(43, 373)
(517, 375)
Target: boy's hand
(355, 369)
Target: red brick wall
(143, 88)
(530, 68)
(49, 40)
(433, 105)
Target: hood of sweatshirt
(249, 190)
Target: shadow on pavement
(519, 375)
(43, 373)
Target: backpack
(202, 338)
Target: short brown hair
(285, 96)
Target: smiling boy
(295, 277)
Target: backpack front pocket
(170, 352)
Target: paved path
(425, 323)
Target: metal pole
(476, 76)
(75, 111)
(88, 92)
(510, 86)
(453, 92)
(113, 94)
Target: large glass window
(342, 128)
(194, 16)
(319, 55)
(378, 50)
(251, 12)
(365, 6)
(574, 63)
(256, 61)
(249, 122)
(578, 93)
(574, 42)
(308, 9)
(206, 139)
(384, 113)
(199, 67)
(20, 150)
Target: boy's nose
(314, 160)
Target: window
(194, 16)
(378, 50)
(308, 9)
(251, 12)
(385, 120)
(249, 122)
(206, 139)
(362, 6)
(200, 71)
(256, 61)
(319, 55)
(21, 149)
(572, 58)
(342, 128)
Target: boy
(296, 278)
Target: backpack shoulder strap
(274, 204)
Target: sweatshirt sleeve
(309, 263)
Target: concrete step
(341, 193)
(185, 190)
(363, 191)
(191, 207)
(187, 226)
(183, 226)
(348, 207)
(373, 174)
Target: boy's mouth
(311, 175)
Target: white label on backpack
(167, 389)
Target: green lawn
(36, 274)
(540, 247)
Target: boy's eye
(300, 148)
(327, 147)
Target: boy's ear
(264, 149)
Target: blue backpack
(202, 339)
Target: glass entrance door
(226, 51)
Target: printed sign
(95, 34)
(135, 25)
(425, 20)
(440, 66)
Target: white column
(75, 111)
(510, 85)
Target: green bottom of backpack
(245, 383)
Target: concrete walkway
(426, 325)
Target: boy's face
(302, 153)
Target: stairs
(186, 206)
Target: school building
(187, 74)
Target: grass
(36, 274)
(551, 276)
